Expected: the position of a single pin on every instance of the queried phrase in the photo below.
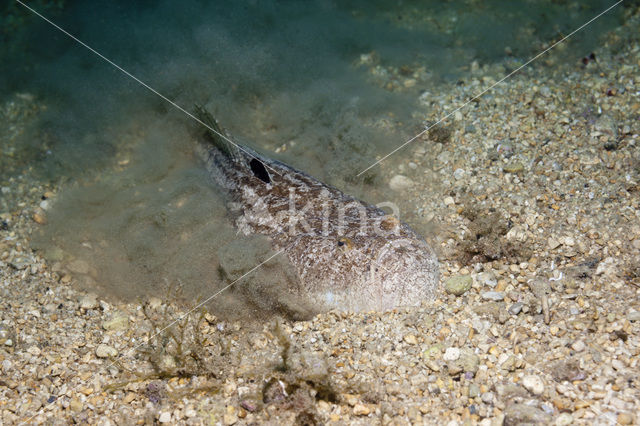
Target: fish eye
(340, 243)
(259, 170)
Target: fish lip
(407, 282)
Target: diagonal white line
(142, 83)
(490, 87)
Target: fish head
(371, 273)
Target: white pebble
(488, 279)
(564, 419)
(451, 354)
(105, 351)
(578, 346)
(89, 301)
(533, 384)
(164, 417)
(34, 350)
(487, 397)
(493, 295)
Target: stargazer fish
(346, 255)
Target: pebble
(458, 285)
(564, 419)
(474, 390)
(400, 183)
(39, 219)
(118, 321)
(487, 397)
(361, 410)
(6, 335)
(553, 243)
(513, 167)
(625, 419)
(106, 351)
(518, 414)
(488, 279)
(607, 126)
(164, 417)
(516, 308)
(155, 303)
(75, 405)
(411, 339)
(493, 295)
(467, 361)
(34, 350)
(545, 91)
(633, 316)
(89, 301)
(20, 262)
(578, 346)
(533, 384)
(451, 354)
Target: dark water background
(308, 82)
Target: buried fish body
(345, 254)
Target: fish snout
(405, 272)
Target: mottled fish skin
(348, 255)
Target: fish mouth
(404, 273)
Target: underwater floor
(110, 227)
